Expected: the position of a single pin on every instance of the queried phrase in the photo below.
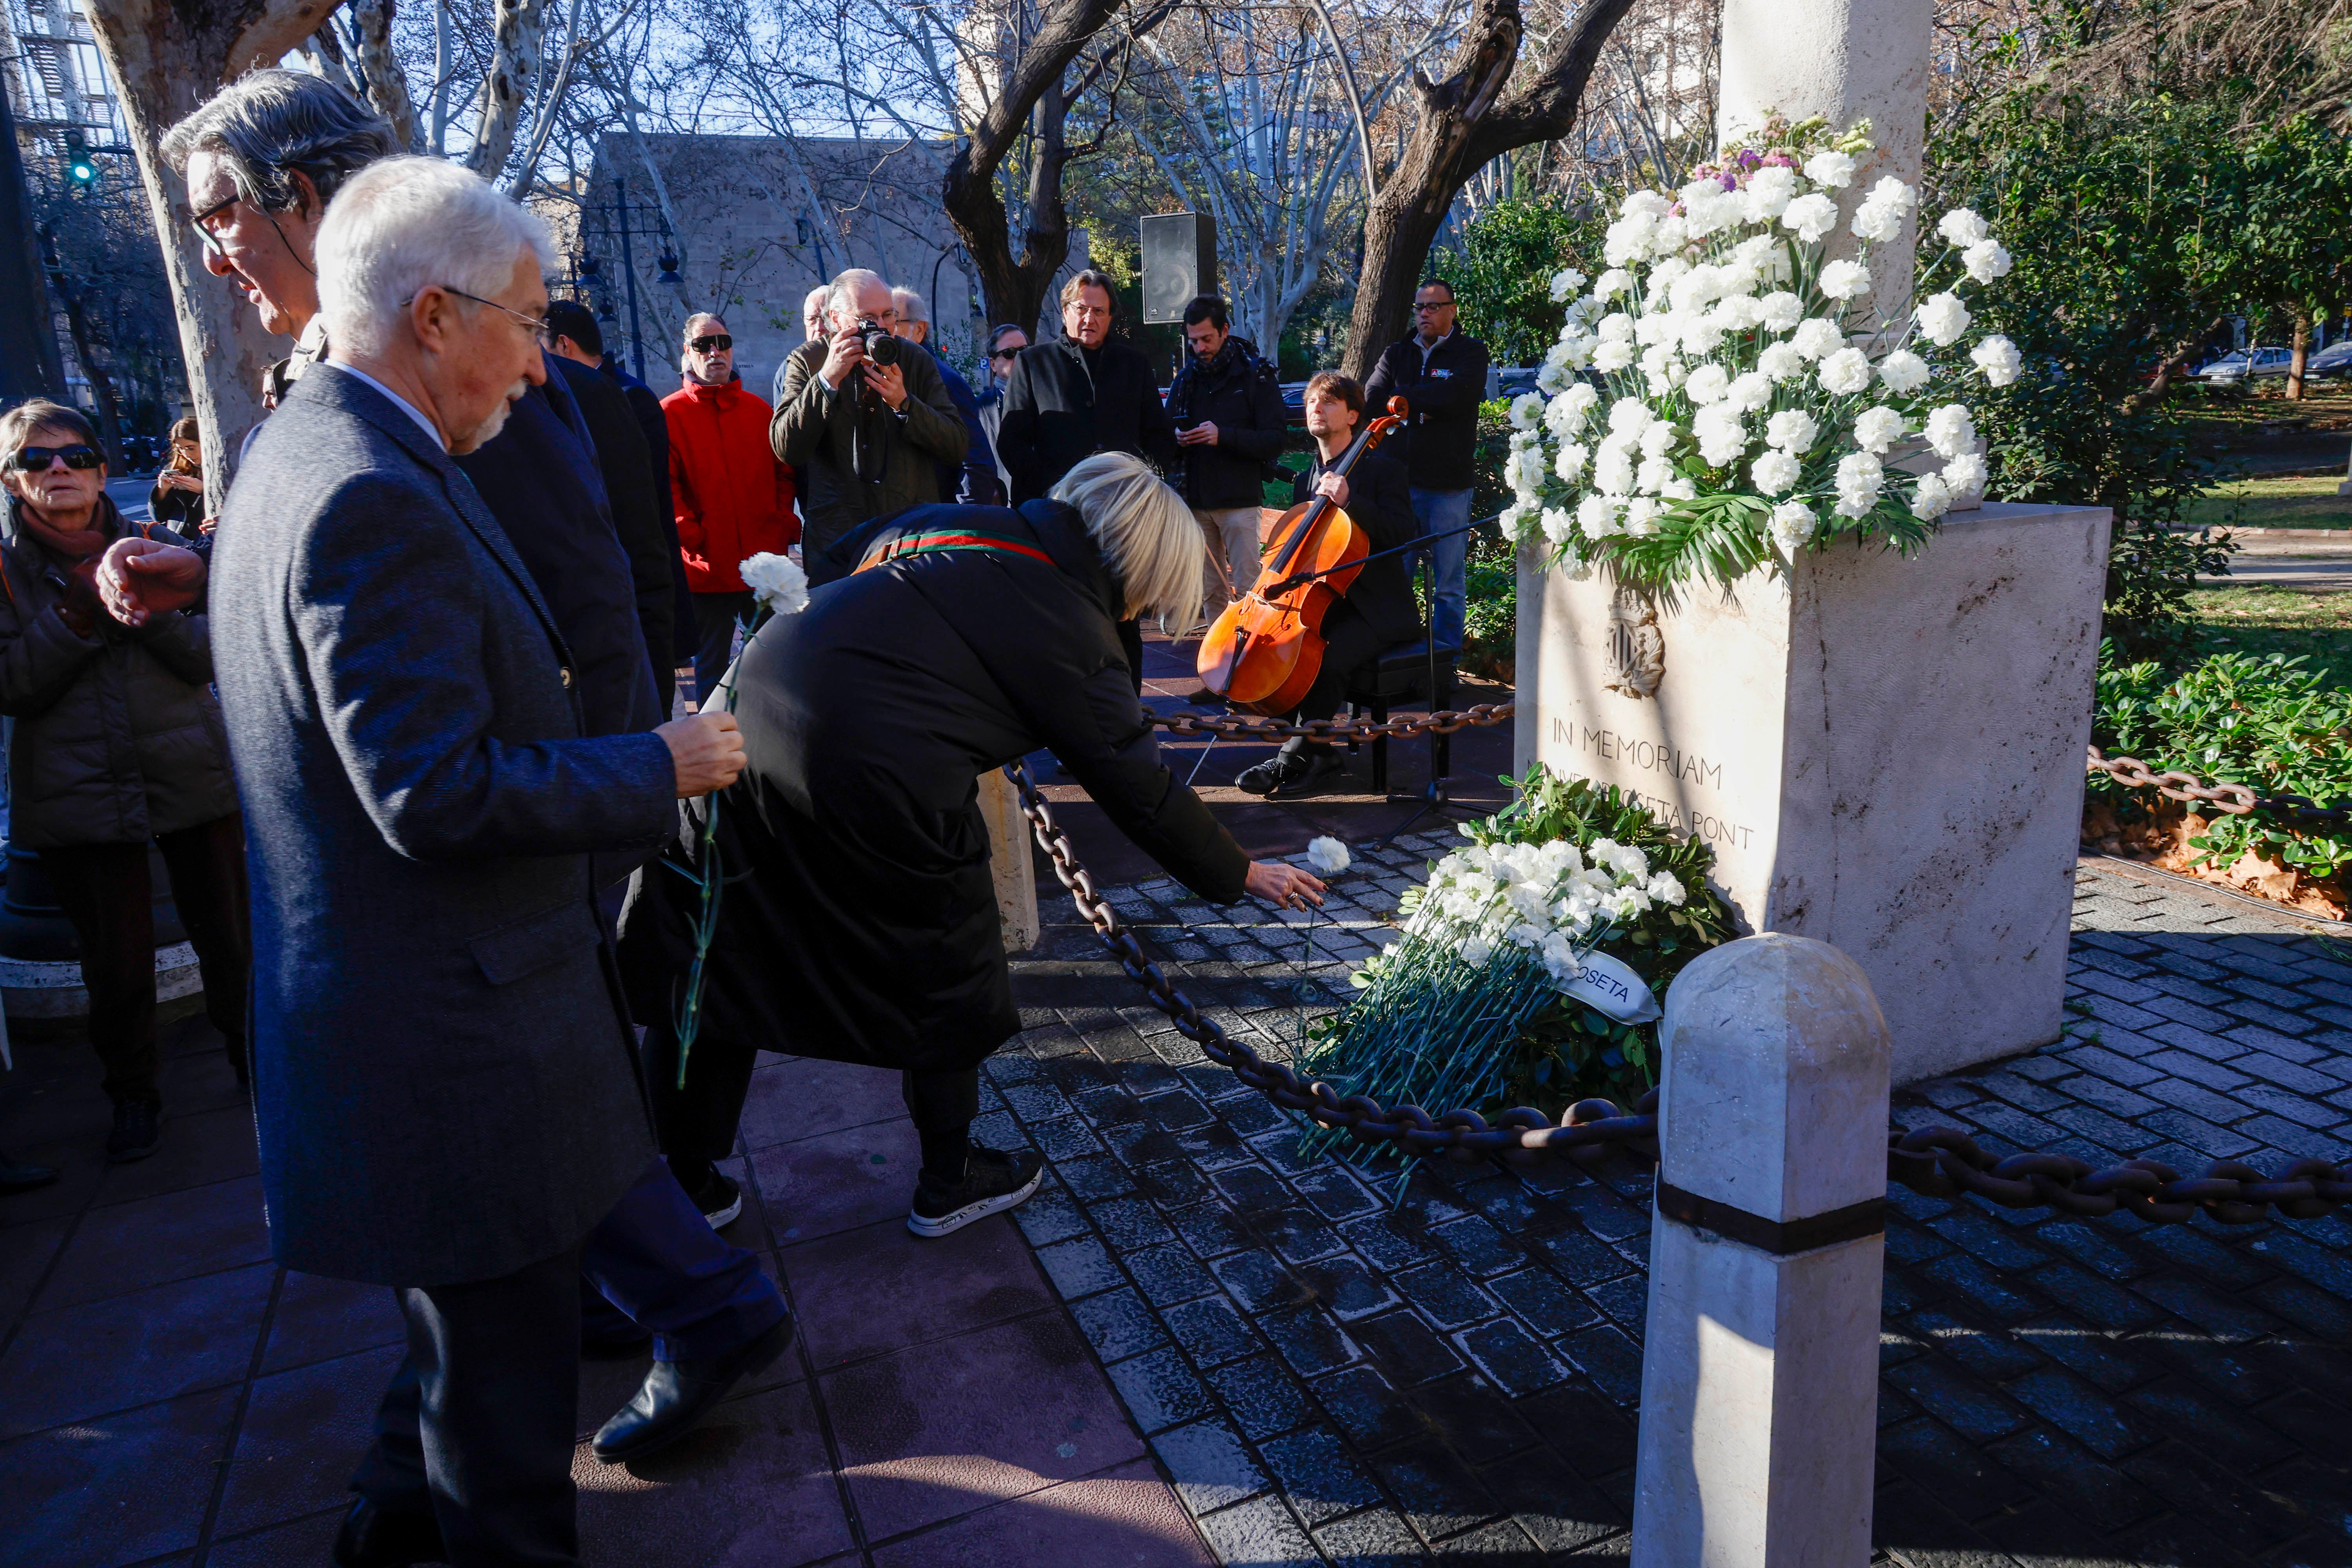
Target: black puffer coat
(866, 930)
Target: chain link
(2237, 799)
(1942, 1162)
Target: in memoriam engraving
(1649, 756)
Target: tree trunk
(387, 82)
(1014, 287)
(2300, 358)
(166, 58)
(1468, 119)
(514, 67)
(2170, 368)
(101, 385)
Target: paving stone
(1159, 1389)
(1117, 1325)
(1445, 1296)
(1168, 1275)
(1611, 1359)
(1320, 1475)
(1515, 1360)
(1209, 1466)
(1311, 1342)
(1540, 1300)
(1079, 1267)
(1376, 1538)
(1260, 1531)
(1211, 1332)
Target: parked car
(2247, 362)
(2336, 359)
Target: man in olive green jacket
(867, 436)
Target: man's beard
(482, 434)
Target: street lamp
(625, 220)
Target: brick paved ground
(1328, 1376)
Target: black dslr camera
(880, 345)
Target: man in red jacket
(734, 500)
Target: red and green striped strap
(952, 539)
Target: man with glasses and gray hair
(447, 1095)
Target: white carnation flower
(1781, 310)
(1775, 473)
(1327, 855)
(1565, 283)
(1904, 372)
(777, 583)
(1701, 334)
(1612, 283)
(1792, 524)
(1736, 312)
(1645, 202)
(1556, 522)
(1613, 355)
(1963, 227)
(1628, 416)
(1750, 391)
(1845, 372)
(1666, 889)
(1552, 376)
(1612, 471)
(1860, 477)
(1615, 326)
(1931, 499)
(1986, 260)
(1526, 411)
(1817, 337)
(1769, 191)
(1707, 384)
(1943, 318)
(1965, 473)
(1514, 519)
(1596, 517)
(1998, 359)
(1876, 429)
(1476, 950)
(1834, 170)
(1893, 192)
(1780, 361)
(1843, 279)
(1571, 461)
(1722, 438)
(1658, 437)
(1564, 415)
(1641, 516)
(1654, 475)
(1951, 430)
(1876, 223)
(1792, 430)
(1810, 218)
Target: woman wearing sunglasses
(118, 744)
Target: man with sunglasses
(1443, 375)
(1004, 345)
(731, 494)
(117, 743)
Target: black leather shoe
(678, 1394)
(21, 1178)
(377, 1537)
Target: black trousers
(479, 1423)
(107, 893)
(1348, 641)
(699, 1122)
(715, 617)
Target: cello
(1264, 652)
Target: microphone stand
(1433, 795)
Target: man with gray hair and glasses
(865, 417)
(445, 1092)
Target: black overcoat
(866, 928)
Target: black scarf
(1238, 356)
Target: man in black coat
(864, 928)
(1443, 375)
(1079, 395)
(1378, 609)
(1229, 422)
(972, 482)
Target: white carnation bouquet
(1725, 396)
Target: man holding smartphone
(1229, 424)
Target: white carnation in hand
(1792, 524)
(777, 583)
(1998, 359)
(1951, 430)
(1845, 372)
(1876, 429)
(1904, 372)
(1816, 338)
(1965, 473)
(1943, 318)
(1775, 473)
(1932, 498)
(1792, 430)
(1810, 218)
(1963, 227)
(1596, 516)
(1564, 285)
(1986, 260)
(1860, 477)
(1779, 310)
(1843, 279)
(1780, 362)
(1526, 411)
(1834, 170)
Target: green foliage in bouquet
(1473, 1008)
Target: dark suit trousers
(655, 1263)
(1348, 641)
(715, 615)
(479, 1423)
(107, 893)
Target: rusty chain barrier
(2237, 799)
(1939, 1161)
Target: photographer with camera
(867, 418)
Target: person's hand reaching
(707, 749)
(1284, 887)
(137, 578)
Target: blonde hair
(1145, 530)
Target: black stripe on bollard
(1779, 1237)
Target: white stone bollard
(1759, 1364)
(1010, 864)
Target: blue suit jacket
(444, 1084)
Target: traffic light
(81, 169)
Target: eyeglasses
(712, 343)
(204, 223)
(536, 325)
(1431, 307)
(33, 459)
(1007, 353)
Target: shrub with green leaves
(2266, 723)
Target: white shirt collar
(397, 401)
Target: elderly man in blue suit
(445, 1092)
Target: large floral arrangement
(1477, 1003)
(1726, 394)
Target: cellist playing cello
(1379, 607)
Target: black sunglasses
(33, 459)
(711, 345)
(1007, 353)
